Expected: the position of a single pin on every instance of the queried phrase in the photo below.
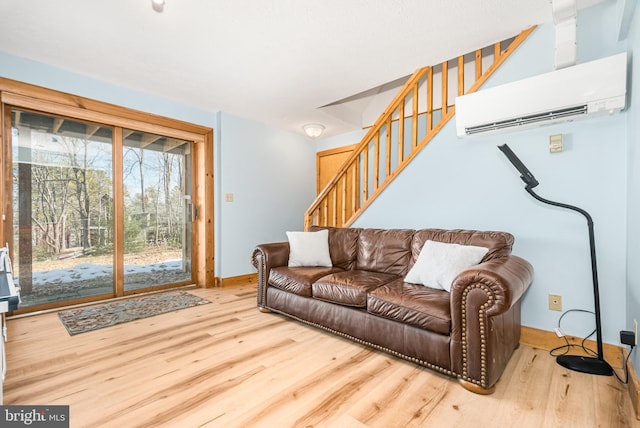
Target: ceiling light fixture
(157, 5)
(313, 130)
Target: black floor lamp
(592, 365)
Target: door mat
(91, 318)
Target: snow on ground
(88, 271)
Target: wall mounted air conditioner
(580, 91)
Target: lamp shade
(313, 130)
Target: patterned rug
(91, 318)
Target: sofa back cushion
(498, 243)
(384, 250)
(396, 250)
(343, 244)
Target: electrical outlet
(555, 302)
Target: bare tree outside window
(63, 208)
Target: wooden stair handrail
(367, 137)
(385, 120)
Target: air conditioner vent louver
(531, 119)
(585, 90)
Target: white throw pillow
(309, 248)
(439, 263)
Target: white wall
(468, 183)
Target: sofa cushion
(498, 243)
(298, 280)
(439, 263)
(349, 287)
(412, 304)
(382, 250)
(309, 248)
(343, 243)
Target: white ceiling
(273, 61)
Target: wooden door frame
(14, 94)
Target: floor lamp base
(582, 364)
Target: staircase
(412, 119)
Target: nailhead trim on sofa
(483, 341)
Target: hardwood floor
(225, 364)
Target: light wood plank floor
(227, 365)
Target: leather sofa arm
(504, 279)
(264, 258)
(485, 317)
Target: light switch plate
(555, 143)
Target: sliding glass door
(157, 210)
(68, 239)
(62, 208)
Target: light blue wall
(633, 166)
(270, 172)
(272, 176)
(468, 183)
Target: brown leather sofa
(468, 333)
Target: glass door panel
(62, 208)
(157, 210)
